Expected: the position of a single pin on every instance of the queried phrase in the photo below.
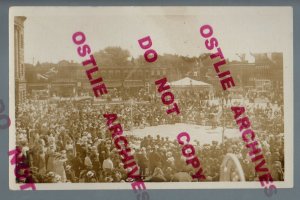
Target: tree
(113, 56)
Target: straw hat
(90, 174)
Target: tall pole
(223, 125)
(131, 102)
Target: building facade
(71, 79)
(265, 73)
(20, 81)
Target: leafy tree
(113, 56)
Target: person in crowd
(108, 164)
(142, 160)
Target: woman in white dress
(59, 168)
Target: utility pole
(131, 103)
(223, 121)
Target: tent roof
(188, 82)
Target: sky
(174, 30)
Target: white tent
(187, 82)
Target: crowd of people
(67, 141)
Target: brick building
(265, 73)
(71, 79)
(20, 81)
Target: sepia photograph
(175, 97)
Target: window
(110, 73)
(22, 41)
(117, 73)
(22, 70)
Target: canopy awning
(187, 82)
